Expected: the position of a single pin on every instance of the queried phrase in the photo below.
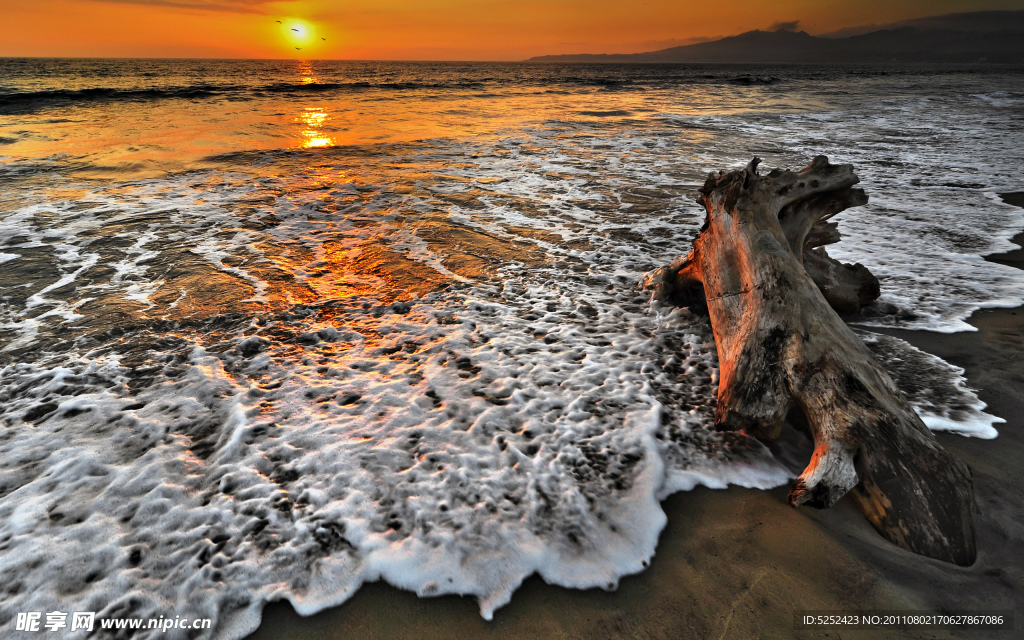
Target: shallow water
(271, 330)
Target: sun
(298, 33)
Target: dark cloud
(793, 25)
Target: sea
(271, 330)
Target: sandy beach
(737, 563)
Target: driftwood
(772, 293)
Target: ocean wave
(29, 101)
(34, 100)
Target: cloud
(793, 25)
(230, 6)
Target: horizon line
(532, 60)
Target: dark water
(273, 329)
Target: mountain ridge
(982, 36)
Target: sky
(419, 29)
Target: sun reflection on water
(313, 137)
(306, 71)
(312, 118)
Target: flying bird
(324, 39)
(295, 30)
(278, 22)
(298, 48)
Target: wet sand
(738, 563)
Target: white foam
(529, 457)
(1001, 99)
(982, 427)
(936, 390)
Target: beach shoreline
(738, 563)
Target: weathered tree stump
(772, 293)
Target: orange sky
(418, 29)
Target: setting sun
(296, 34)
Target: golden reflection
(306, 71)
(314, 138)
(314, 117)
(318, 143)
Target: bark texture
(772, 294)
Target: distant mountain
(990, 36)
(973, 21)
